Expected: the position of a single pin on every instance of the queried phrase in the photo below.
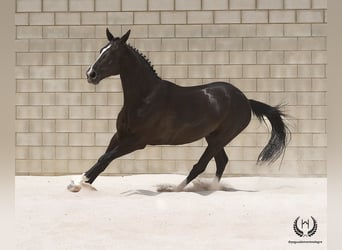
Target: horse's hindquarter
(195, 112)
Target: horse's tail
(279, 134)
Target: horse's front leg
(115, 149)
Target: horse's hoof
(72, 187)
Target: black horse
(159, 112)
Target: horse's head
(108, 62)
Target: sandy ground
(128, 213)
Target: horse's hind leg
(221, 160)
(200, 166)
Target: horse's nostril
(92, 75)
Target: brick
(81, 58)
(270, 4)
(28, 166)
(107, 5)
(91, 153)
(229, 71)
(320, 140)
(28, 139)
(161, 4)
(311, 71)
(55, 58)
(251, 16)
(229, 44)
(214, 5)
(146, 17)
(202, 71)
(68, 98)
(312, 43)
(54, 6)
(227, 16)
(21, 19)
(94, 18)
(81, 5)
(200, 17)
(297, 57)
(55, 139)
(21, 126)
(297, 85)
(201, 44)
(29, 85)
(81, 32)
(319, 29)
(21, 72)
(270, 57)
(161, 31)
(68, 45)
(242, 4)
(310, 16)
(148, 44)
(68, 72)
(95, 126)
(242, 57)
(284, 71)
(188, 5)
(94, 99)
(282, 16)
(42, 19)
(68, 126)
(29, 5)
(28, 32)
(107, 112)
(297, 29)
(21, 45)
(270, 85)
(68, 153)
(242, 30)
(174, 44)
(68, 18)
(319, 4)
(42, 126)
(312, 126)
(174, 72)
(42, 72)
(42, 99)
(311, 98)
(41, 45)
(54, 85)
(283, 43)
(319, 84)
(188, 31)
(188, 58)
(215, 30)
(270, 30)
(29, 59)
(133, 5)
(21, 99)
(55, 112)
(215, 57)
(160, 58)
(319, 112)
(295, 4)
(319, 57)
(137, 31)
(256, 71)
(175, 17)
(256, 43)
(55, 32)
(29, 112)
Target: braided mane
(144, 58)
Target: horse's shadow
(199, 188)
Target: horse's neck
(137, 80)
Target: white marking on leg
(76, 185)
(181, 186)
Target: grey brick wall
(274, 50)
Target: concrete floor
(128, 213)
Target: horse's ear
(110, 37)
(124, 38)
